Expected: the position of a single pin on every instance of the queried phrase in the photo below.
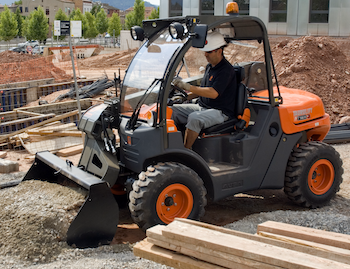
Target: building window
(47, 11)
(207, 7)
(175, 8)
(20, 9)
(66, 10)
(319, 11)
(36, 8)
(243, 6)
(26, 9)
(278, 11)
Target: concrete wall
(297, 16)
(126, 42)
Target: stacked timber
(56, 137)
(191, 244)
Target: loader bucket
(97, 219)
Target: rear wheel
(314, 174)
(164, 192)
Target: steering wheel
(176, 91)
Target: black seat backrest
(241, 103)
(241, 97)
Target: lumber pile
(190, 244)
(57, 137)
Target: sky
(8, 2)
(153, 2)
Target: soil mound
(317, 65)
(16, 67)
(35, 217)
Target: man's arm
(208, 92)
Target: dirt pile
(35, 217)
(317, 65)
(16, 67)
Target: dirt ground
(316, 64)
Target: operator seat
(242, 112)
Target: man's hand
(182, 85)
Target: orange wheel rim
(175, 201)
(321, 177)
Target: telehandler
(278, 146)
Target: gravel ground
(334, 217)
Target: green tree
(101, 22)
(95, 9)
(25, 27)
(78, 16)
(154, 14)
(114, 24)
(72, 14)
(17, 3)
(136, 16)
(38, 26)
(8, 25)
(20, 22)
(91, 30)
(61, 16)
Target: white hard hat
(214, 41)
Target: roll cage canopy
(245, 28)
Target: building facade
(50, 7)
(281, 17)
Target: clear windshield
(149, 63)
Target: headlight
(137, 33)
(176, 30)
(151, 117)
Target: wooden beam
(146, 250)
(3, 138)
(249, 249)
(154, 236)
(335, 254)
(304, 233)
(70, 151)
(55, 133)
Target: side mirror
(200, 35)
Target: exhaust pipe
(97, 219)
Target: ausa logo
(303, 114)
(211, 78)
(232, 185)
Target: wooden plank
(52, 144)
(336, 254)
(146, 250)
(55, 133)
(27, 119)
(242, 247)
(343, 253)
(304, 233)
(205, 254)
(3, 138)
(56, 128)
(70, 151)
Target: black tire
(314, 174)
(166, 191)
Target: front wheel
(314, 174)
(164, 192)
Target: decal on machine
(303, 114)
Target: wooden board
(250, 249)
(329, 252)
(146, 250)
(70, 151)
(304, 233)
(154, 236)
(3, 138)
(52, 144)
(332, 253)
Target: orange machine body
(301, 111)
